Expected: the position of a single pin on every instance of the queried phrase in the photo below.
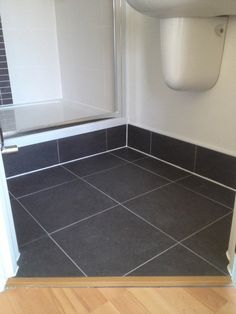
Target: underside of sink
(184, 8)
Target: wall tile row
(38, 156)
(5, 86)
(208, 163)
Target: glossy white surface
(29, 117)
(192, 51)
(184, 8)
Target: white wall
(207, 118)
(29, 28)
(85, 40)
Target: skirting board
(99, 282)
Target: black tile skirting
(39, 156)
(205, 162)
(208, 163)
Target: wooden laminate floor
(118, 300)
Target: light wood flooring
(118, 300)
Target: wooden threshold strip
(98, 282)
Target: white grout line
(58, 152)
(127, 135)
(145, 193)
(77, 266)
(46, 189)
(205, 227)
(63, 163)
(203, 195)
(149, 223)
(103, 171)
(150, 151)
(84, 219)
(151, 259)
(204, 259)
(190, 172)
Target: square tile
(174, 151)
(37, 181)
(30, 158)
(178, 261)
(139, 138)
(65, 204)
(128, 154)
(44, 259)
(209, 189)
(125, 182)
(94, 164)
(112, 243)
(177, 211)
(27, 230)
(82, 145)
(216, 166)
(212, 242)
(116, 137)
(161, 168)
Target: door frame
(9, 252)
(231, 253)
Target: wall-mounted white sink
(192, 36)
(184, 8)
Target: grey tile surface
(174, 151)
(27, 230)
(112, 243)
(216, 166)
(139, 138)
(83, 145)
(44, 259)
(65, 204)
(209, 189)
(30, 158)
(94, 164)
(126, 182)
(212, 243)
(177, 211)
(39, 180)
(161, 168)
(128, 154)
(177, 261)
(116, 137)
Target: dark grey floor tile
(210, 189)
(60, 206)
(38, 181)
(27, 229)
(161, 168)
(31, 158)
(116, 137)
(126, 181)
(177, 211)
(139, 138)
(178, 261)
(212, 243)
(112, 243)
(94, 164)
(44, 259)
(128, 154)
(216, 166)
(177, 152)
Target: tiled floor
(118, 214)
